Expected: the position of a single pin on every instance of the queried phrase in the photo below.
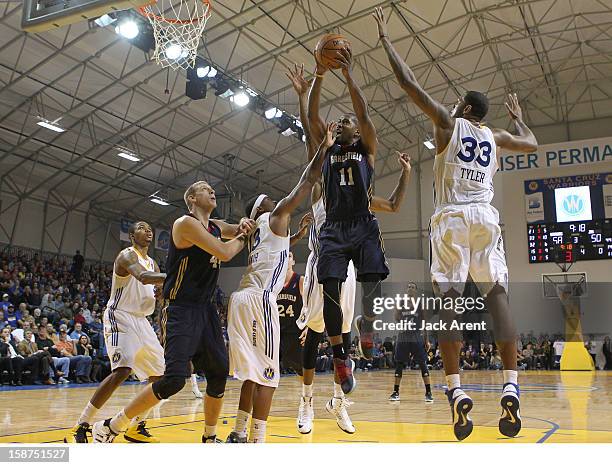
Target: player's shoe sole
(460, 408)
(510, 421)
(329, 406)
(429, 399)
(234, 438)
(78, 434)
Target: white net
(177, 27)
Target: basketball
(328, 47)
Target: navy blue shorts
(358, 240)
(410, 344)
(193, 333)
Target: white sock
(338, 393)
(120, 422)
(257, 434)
(210, 431)
(453, 381)
(511, 376)
(242, 418)
(307, 390)
(88, 414)
(141, 417)
(194, 380)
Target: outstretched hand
(246, 226)
(514, 109)
(379, 16)
(330, 134)
(404, 160)
(305, 221)
(296, 76)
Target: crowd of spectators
(533, 353)
(51, 319)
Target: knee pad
(399, 370)
(309, 353)
(370, 291)
(332, 312)
(167, 386)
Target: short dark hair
(479, 103)
(132, 228)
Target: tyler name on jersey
(340, 158)
(472, 174)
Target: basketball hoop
(177, 27)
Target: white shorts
(312, 310)
(254, 337)
(132, 342)
(466, 239)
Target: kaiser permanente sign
(569, 153)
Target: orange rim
(144, 12)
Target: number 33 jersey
(464, 170)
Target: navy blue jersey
(192, 273)
(289, 302)
(347, 182)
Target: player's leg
(332, 271)
(489, 271)
(371, 264)
(245, 407)
(450, 260)
(309, 359)
(421, 359)
(399, 370)
(195, 389)
(181, 326)
(338, 404)
(262, 402)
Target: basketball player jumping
(253, 323)
(410, 343)
(350, 231)
(465, 233)
(130, 340)
(311, 319)
(191, 328)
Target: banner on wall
(124, 228)
(568, 153)
(162, 239)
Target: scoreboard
(569, 242)
(569, 218)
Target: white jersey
(268, 254)
(318, 213)
(464, 170)
(130, 295)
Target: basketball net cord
(177, 30)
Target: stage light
(173, 51)
(273, 113)
(128, 29)
(429, 144)
(240, 99)
(206, 72)
(105, 20)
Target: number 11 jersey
(347, 182)
(464, 170)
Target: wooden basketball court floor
(557, 407)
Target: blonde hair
(193, 188)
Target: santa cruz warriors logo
(268, 373)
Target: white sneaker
(196, 392)
(62, 380)
(101, 433)
(337, 406)
(305, 416)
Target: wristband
(318, 76)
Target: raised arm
(393, 203)
(189, 230)
(279, 219)
(525, 140)
(302, 229)
(127, 261)
(315, 123)
(367, 130)
(301, 87)
(434, 110)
